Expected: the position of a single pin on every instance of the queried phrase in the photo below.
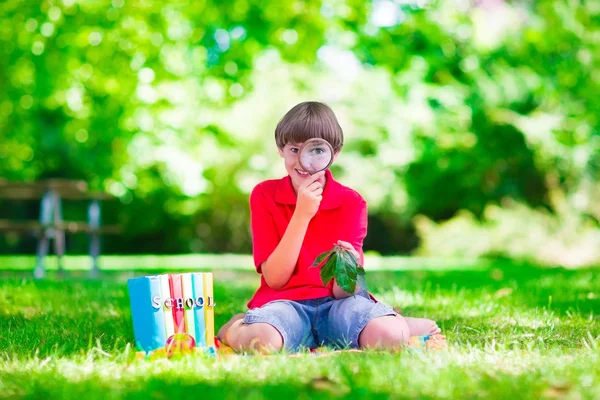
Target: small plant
(341, 264)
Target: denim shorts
(326, 321)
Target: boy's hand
(338, 292)
(310, 194)
(349, 247)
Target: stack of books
(173, 314)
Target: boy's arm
(280, 264)
(279, 267)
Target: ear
(335, 155)
(280, 152)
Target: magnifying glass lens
(316, 155)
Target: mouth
(302, 173)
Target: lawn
(515, 331)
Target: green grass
(515, 331)
(223, 261)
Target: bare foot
(421, 326)
(223, 331)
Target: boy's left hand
(348, 247)
(338, 292)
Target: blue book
(147, 313)
(198, 290)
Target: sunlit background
(471, 128)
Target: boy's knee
(395, 336)
(260, 337)
(384, 332)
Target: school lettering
(181, 303)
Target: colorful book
(177, 295)
(189, 305)
(209, 312)
(148, 320)
(173, 314)
(198, 287)
(165, 293)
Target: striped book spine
(198, 288)
(209, 311)
(148, 320)
(189, 305)
(177, 293)
(165, 293)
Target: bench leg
(42, 251)
(59, 235)
(46, 208)
(94, 217)
(95, 253)
(59, 249)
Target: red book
(177, 293)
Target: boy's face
(290, 153)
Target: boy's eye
(294, 149)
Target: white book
(165, 293)
(188, 306)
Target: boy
(294, 219)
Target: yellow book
(209, 311)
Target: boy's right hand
(310, 194)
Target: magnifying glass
(315, 155)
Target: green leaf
(345, 274)
(349, 258)
(341, 264)
(327, 270)
(321, 257)
(352, 259)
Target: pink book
(178, 307)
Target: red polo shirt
(342, 215)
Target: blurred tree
(490, 101)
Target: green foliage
(447, 106)
(564, 238)
(340, 264)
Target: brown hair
(309, 120)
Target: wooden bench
(51, 225)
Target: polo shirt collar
(332, 195)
